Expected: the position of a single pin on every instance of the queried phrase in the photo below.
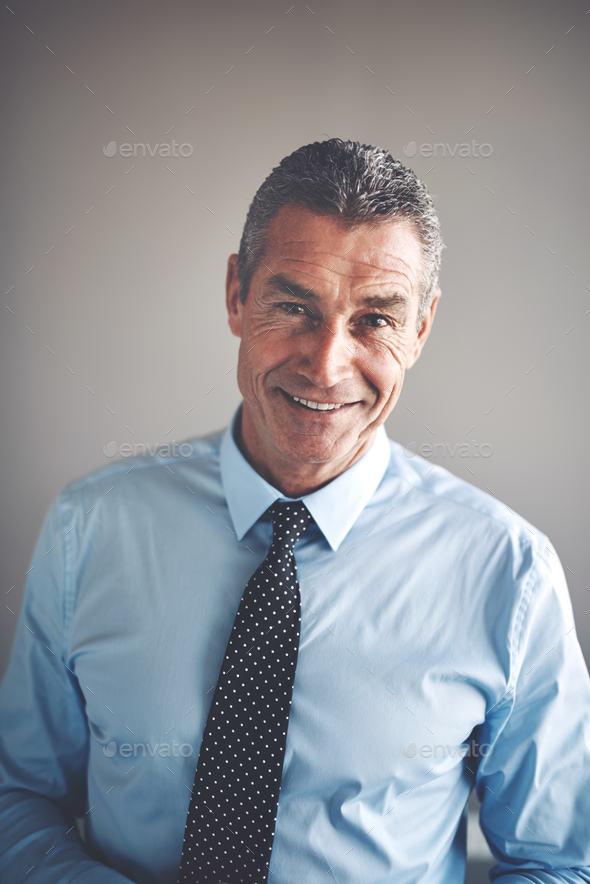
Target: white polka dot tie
(231, 818)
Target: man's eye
(295, 309)
(374, 320)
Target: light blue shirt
(438, 651)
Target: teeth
(319, 406)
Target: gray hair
(356, 183)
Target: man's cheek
(392, 385)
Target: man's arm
(44, 736)
(533, 784)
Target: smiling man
(328, 327)
(291, 656)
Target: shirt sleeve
(534, 755)
(44, 735)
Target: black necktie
(231, 817)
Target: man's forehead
(298, 235)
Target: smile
(317, 406)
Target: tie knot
(289, 521)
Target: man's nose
(325, 357)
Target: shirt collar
(334, 508)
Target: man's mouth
(314, 405)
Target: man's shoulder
(462, 500)
(143, 464)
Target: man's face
(330, 319)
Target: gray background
(117, 265)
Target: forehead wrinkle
(379, 269)
(300, 218)
(369, 281)
(331, 256)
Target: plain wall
(114, 328)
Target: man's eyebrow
(385, 301)
(280, 283)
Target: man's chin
(318, 448)
(293, 438)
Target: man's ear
(415, 349)
(232, 297)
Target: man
(298, 608)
